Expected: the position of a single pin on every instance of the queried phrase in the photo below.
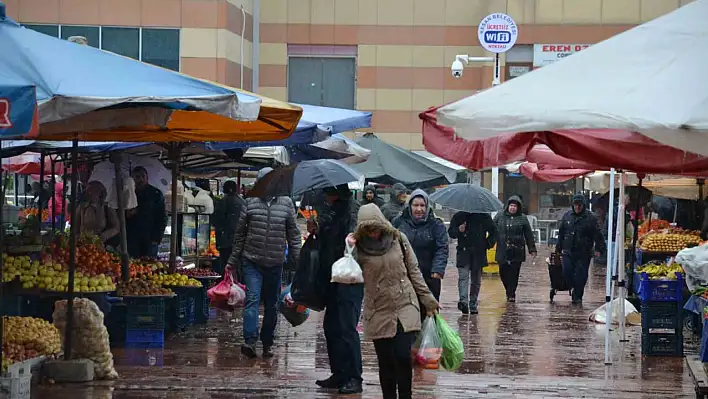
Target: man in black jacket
(370, 197)
(225, 219)
(265, 228)
(395, 205)
(145, 224)
(578, 235)
(475, 233)
(343, 302)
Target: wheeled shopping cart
(555, 273)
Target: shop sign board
(497, 33)
(544, 54)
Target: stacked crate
(661, 308)
(145, 322)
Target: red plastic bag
(220, 294)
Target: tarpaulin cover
(109, 97)
(598, 149)
(30, 164)
(18, 108)
(649, 79)
(531, 171)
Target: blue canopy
(18, 108)
(317, 123)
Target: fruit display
(141, 287)
(26, 212)
(89, 333)
(701, 291)
(175, 280)
(27, 338)
(91, 258)
(211, 251)
(669, 240)
(52, 276)
(652, 225)
(198, 273)
(661, 271)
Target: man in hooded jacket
(265, 228)
(370, 197)
(335, 220)
(395, 205)
(428, 237)
(578, 234)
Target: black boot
(330, 383)
(463, 307)
(249, 351)
(351, 387)
(267, 352)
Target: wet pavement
(529, 349)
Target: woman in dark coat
(429, 240)
(515, 236)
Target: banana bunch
(661, 271)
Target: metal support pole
(65, 177)
(174, 156)
(635, 234)
(72, 252)
(621, 271)
(123, 250)
(2, 270)
(40, 206)
(610, 263)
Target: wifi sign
(497, 32)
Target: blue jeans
(259, 281)
(575, 271)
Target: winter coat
(149, 221)
(226, 214)
(427, 236)
(97, 219)
(264, 229)
(579, 234)
(394, 208)
(394, 287)
(472, 245)
(378, 201)
(514, 234)
(335, 222)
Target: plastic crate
(201, 311)
(143, 357)
(662, 344)
(660, 290)
(144, 338)
(180, 313)
(703, 349)
(116, 322)
(16, 387)
(12, 305)
(145, 313)
(661, 315)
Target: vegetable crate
(16, 387)
(661, 316)
(659, 290)
(145, 313)
(201, 304)
(663, 344)
(116, 321)
(180, 313)
(145, 338)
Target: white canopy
(650, 80)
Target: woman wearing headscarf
(428, 237)
(394, 291)
(94, 216)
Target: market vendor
(145, 224)
(94, 216)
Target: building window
(157, 46)
(161, 48)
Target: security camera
(457, 69)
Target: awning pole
(610, 262)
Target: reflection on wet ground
(529, 349)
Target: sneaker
(463, 307)
(351, 387)
(267, 352)
(330, 383)
(249, 351)
(473, 308)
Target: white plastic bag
(695, 263)
(600, 314)
(346, 270)
(237, 295)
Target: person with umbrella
(578, 234)
(226, 214)
(145, 224)
(395, 205)
(370, 197)
(335, 220)
(475, 234)
(428, 237)
(267, 225)
(514, 237)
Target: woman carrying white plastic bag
(346, 270)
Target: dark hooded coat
(580, 233)
(514, 234)
(378, 201)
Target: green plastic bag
(453, 353)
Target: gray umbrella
(467, 198)
(307, 175)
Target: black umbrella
(307, 175)
(644, 196)
(467, 198)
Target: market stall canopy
(681, 188)
(30, 164)
(532, 172)
(337, 147)
(389, 164)
(18, 108)
(110, 97)
(316, 124)
(649, 79)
